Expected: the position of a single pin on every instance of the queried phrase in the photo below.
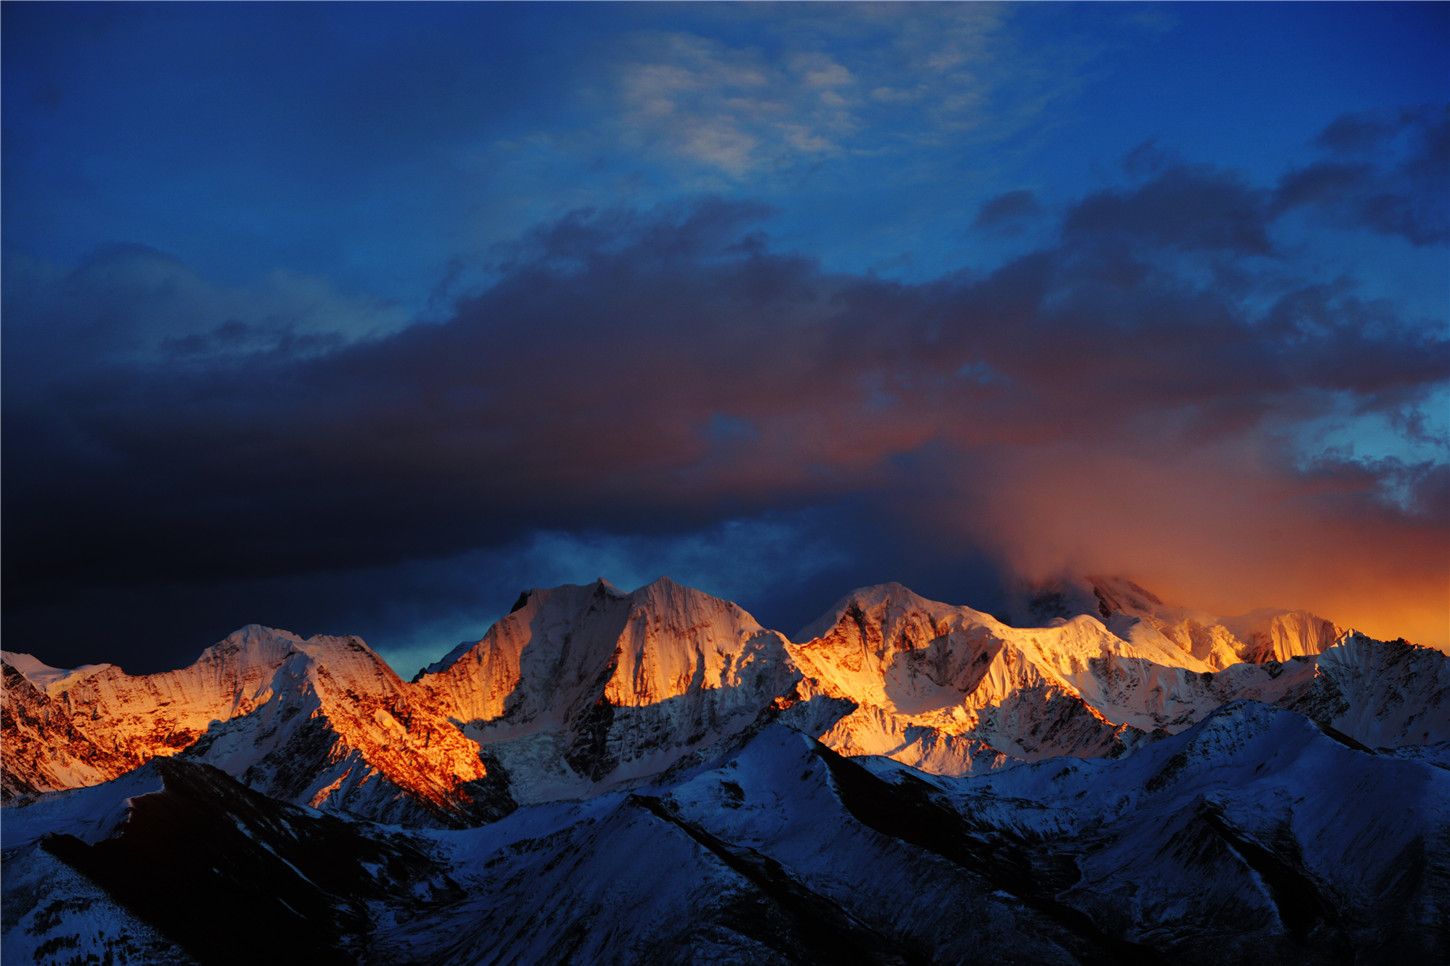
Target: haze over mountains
(1108, 772)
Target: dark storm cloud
(1007, 212)
(1387, 171)
(1182, 207)
(664, 372)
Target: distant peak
(42, 675)
(663, 588)
(890, 590)
(1120, 582)
(599, 587)
(1111, 598)
(23, 662)
(666, 594)
(889, 594)
(256, 632)
(253, 644)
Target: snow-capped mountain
(134, 718)
(929, 679)
(582, 689)
(1387, 694)
(42, 747)
(654, 776)
(322, 722)
(1134, 613)
(338, 729)
(949, 688)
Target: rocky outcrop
(43, 749)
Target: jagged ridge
(584, 688)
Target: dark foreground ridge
(1254, 837)
(208, 855)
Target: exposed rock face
(1384, 694)
(43, 749)
(340, 730)
(322, 722)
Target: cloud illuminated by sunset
(373, 347)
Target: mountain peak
(668, 594)
(897, 599)
(42, 675)
(1142, 618)
(253, 645)
(663, 583)
(581, 687)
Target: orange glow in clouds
(1217, 531)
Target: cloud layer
(1153, 390)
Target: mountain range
(613, 776)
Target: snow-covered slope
(43, 749)
(931, 678)
(1086, 793)
(582, 689)
(950, 688)
(1252, 837)
(754, 860)
(45, 677)
(1386, 694)
(222, 872)
(68, 728)
(322, 722)
(585, 686)
(339, 730)
(142, 716)
(1137, 614)
(53, 911)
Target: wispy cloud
(732, 109)
(816, 84)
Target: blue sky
(251, 138)
(192, 192)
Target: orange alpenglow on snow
(583, 688)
